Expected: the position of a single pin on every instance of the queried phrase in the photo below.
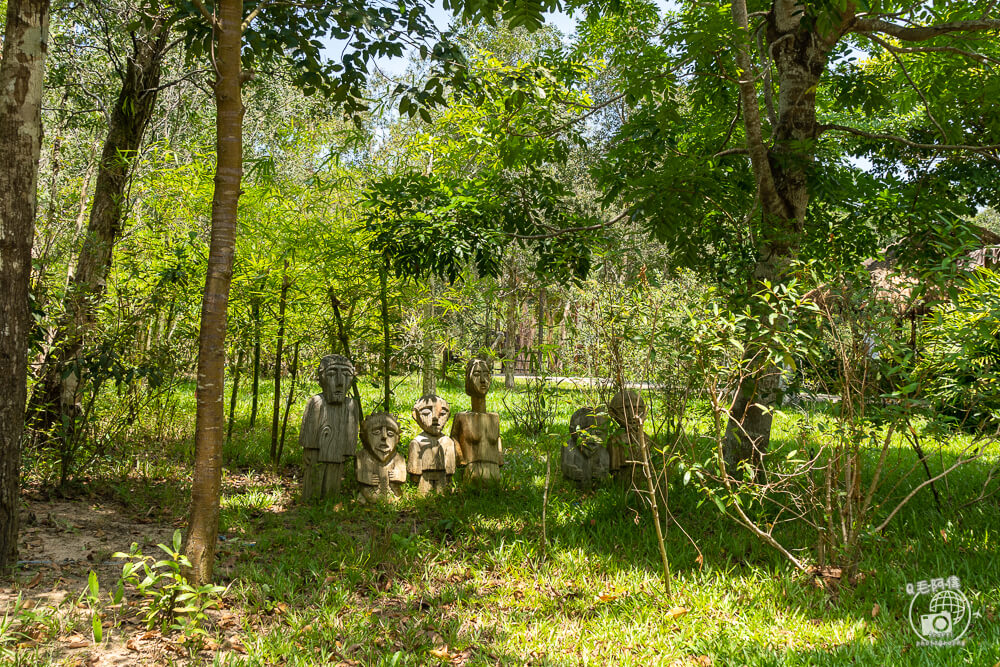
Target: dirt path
(61, 542)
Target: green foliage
(167, 599)
(961, 359)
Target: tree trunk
(276, 411)
(540, 334)
(383, 277)
(233, 396)
(56, 392)
(288, 404)
(203, 528)
(255, 316)
(21, 80)
(429, 379)
(800, 57)
(510, 337)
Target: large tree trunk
(21, 78)
(56, 392)
(800, 56)
(203, 528)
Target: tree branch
(751, 117)
(868, 26)
(982, 150)
(913, 84)
(253, 14)
(569, 230)
(212, 21)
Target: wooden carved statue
(585, 460)
(625, 445)
(329, 433)
(431, 460)
(477, 433)
(381, 469)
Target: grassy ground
(463, 578)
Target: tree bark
(56, 392)
(203, 528)
(21, 82)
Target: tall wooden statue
(329, 433)
(431, 460)
(477, 432)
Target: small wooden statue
(381, 470)
(585, 460)
(329, 433)
(625, 445)
(431, 460)
(477, 432)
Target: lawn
(465, 578)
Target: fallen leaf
(441, 653)
(875, 610)
(607, 598)
(34, 581)
(944, 535)
(131, 645)
(78, 644)
(677, 612)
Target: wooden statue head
(431, 412)
(380, 435)
(629, 410)
(335, 375)
(478, 377)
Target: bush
(961, 343)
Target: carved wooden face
(380, 436)
(432, 413)
(478, 378)
(335, 378)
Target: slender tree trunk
(383, 278)
(276, 412)
(203, 528)
(510, 336)
(540, 334)
(429, 383)
(288, 404)
(233, 396)
(255, 316)
(22, 72)
(56, 392)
